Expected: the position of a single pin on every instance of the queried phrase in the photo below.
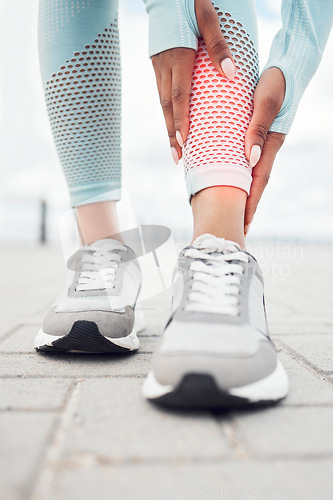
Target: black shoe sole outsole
(200, 392)
(84, 337)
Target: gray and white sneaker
(96, 311)
(216, 351)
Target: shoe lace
(98, 269)
(216, 281)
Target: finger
(268, 99)
(181, 91)
(156, 61)
(261, 174)
(167, 108)
(217, 47)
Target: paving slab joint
(45, 469)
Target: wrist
(172, 23)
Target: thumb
(268, 99)
(217, 47)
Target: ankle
(219, 210)
(231, 236)
(98, 221)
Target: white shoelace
(94, 274)
(216, 281)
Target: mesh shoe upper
(103, 285)
(218, 325)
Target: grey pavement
(76, 426)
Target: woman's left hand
(261, 146)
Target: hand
(174, 69)
(261, 146)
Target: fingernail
(228, 68)
(174, 155)
(246, 229)
(255, 155)
(179, 139)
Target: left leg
(219, 210)
(216, 351)
(218, 174)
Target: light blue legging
(80, 65)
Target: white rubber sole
(271, 388)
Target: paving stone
(73, 365)
(154, 324)
(148, 344)
(23, 437)
(306, 388)
(317, 349)
(309, 327)
(289, 432)
(21, 340)
(158, 302)
(120, 446)
(228, 480)
(31, 265)
(113, 420)
(32, 394)
(8, 323)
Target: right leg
(80, 66)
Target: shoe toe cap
(112, 324)
(228, 370)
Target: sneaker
(216, 351)
(96, 311)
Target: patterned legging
(80, 66)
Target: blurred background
(80, 427)
(295, 207)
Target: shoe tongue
(211, 243)
(108, 243)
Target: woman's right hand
(174, 69)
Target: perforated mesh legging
(220, 110)
(80, 65)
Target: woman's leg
(80, 66)
(80, 63)
(219, 210)
(218, 174)
(216, 351)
